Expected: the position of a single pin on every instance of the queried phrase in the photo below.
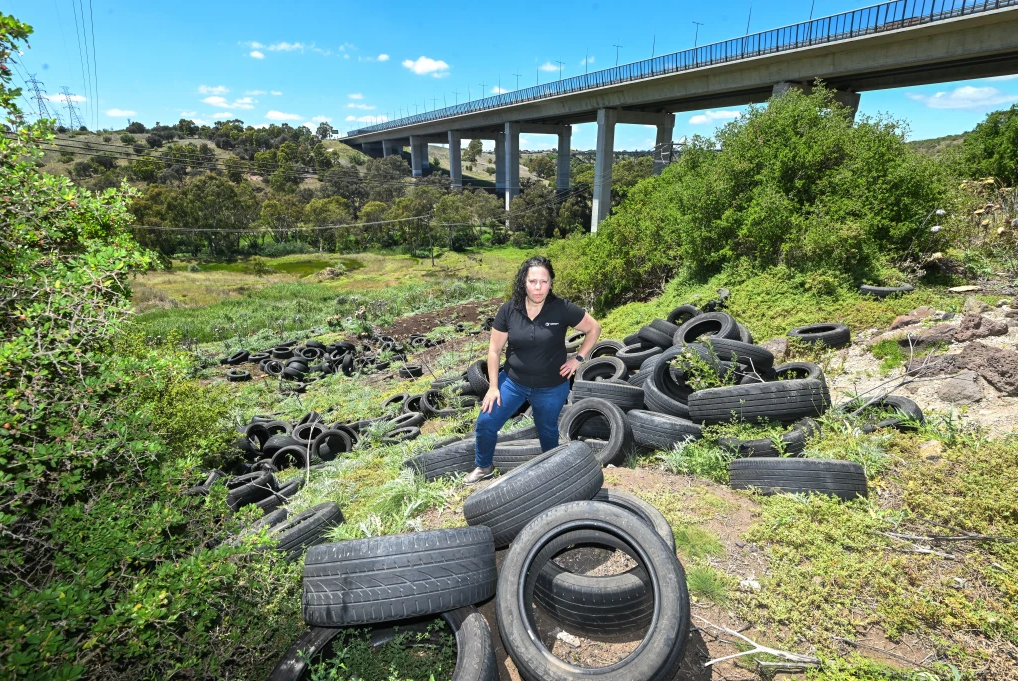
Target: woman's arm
(589, 326)
(495, 346)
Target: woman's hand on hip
(490, 398)
(569, 368)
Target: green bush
(991, 150)
(793, 183)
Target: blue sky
(302, 62)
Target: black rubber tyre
(285, 492)
(447, 380)
(294, 456)
(411, 371)
(396, 402)
(306, 433)
(310, 417)
(910, 414)
(413, 419)
(744, 335)
(612, 606)
(833, 335)
(238, 357)
(631, 339)
(454, 459)
(620, 436)
(759, 358)
(621, 394)
(792, 370)
(259, 357)
(792, 443)
(658, 656)
(844, 479)
(273, 367)
(884, 291)
(720, 324)
(238, 375)
(511, 455)
(602, 368)
(430, 408)
(413, 404)
(398, 435)
(605, 348)
(477, 377)
(663, 326)
(475, 654)
(282, 352)
(661, 431)
(634, 355)
(383, 579)
(293, 374)
(651, 336)
(682, 314)
(566, 473)
(574, 340)
(306, 529)
(781, 401)
(249, 488)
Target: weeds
(411, 655)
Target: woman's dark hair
(519, 297)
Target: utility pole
(697, 35)
(434, 101)
(40, 96)
(517, 80)
(73, 115)
(483, 85)
(586, 60)
(470, 97)
(445, 102)
(617, 48)
(559, 69)
(750, 17)
(456, 95)
(652, 46)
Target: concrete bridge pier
(455, 158)
(512, 162)
(500, 162)
(606, 119)
(563, 169)
(419, 164)
(846, 97)
(372, 149)
(390, 148)
(663, 143)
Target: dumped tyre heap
(654, 390)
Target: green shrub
(793, 183)
(992, 148)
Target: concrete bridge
(895, 44)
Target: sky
(352, 64)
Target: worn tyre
(620, 435)
(602, 368)
(238, 357)
(454, 459)
(661, 431)
(238, 375)
(908, 416)
(651, 336)
(566, 473)
(844, 479)
(512, 455)
(834, 335)
(720, 324)
(279, 497)
(748, 355)
(621, 394)
(605, 348)
(781, 401)
(382, 579)
(477, 377)
(682, 314)
(635, 355)
(658, 656)
(249, 488)
(306, 529)
(792, 443)
(884, 291)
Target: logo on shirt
(551, 323)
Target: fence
(888, 16)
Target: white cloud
(255, 92)
(280, 116)
(549, 67)
(383, 57)
(346, 56)
(712, 116)
(255, 45)
(61, 100)
(586, 61)
(323, 52)
(244, 103)
(321, 119)
(365, 107)
(275, 92)
(286, 47)
(255, 54)
(355, 95)
(965, 97)
(188, 114)
(213, 89)
(120, 112)
(367, 119)
(261, 126)
(199, 121)
(215, 101)
(425, 66)
(222, 114)
(1010, 77)
(498, 90)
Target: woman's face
(538, 284)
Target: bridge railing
(888, 16)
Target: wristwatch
(579, 358)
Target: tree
(146, 169)
(325, 131)
(285, 178)
(532, 213)
(991, 150)
(473, 150)
(322, 213)
(154, 141)
(187, 128)
(454, 217)
(135, 128)
(214, 203)
(345, 181)
(234, 169)
(282, 213)
(574, 214)
(386, 178)
(542, 166)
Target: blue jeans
(546, 404)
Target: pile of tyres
(629, 396)
(550, 504)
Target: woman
(534, 322)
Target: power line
(95, 68)
(82, 61)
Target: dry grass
(161, 290)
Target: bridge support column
(372, 149)
(500, 163)
(418, 152)
(564, 147)
(606, 119)
(389, 148)
(663, 143)
(846, 97)
(512, 162)
(455, 159)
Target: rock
(749, 585)
(962, 389)
(1011, 314)
(963, 289)
(566, 637)
(913, 317)
(975, 326)
(935, 335)
(973, 305)
(778, 348)
(329, 273)
(1002, 302)
(931, 449)
(997, 366)
(890, 335)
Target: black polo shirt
(537, 348)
